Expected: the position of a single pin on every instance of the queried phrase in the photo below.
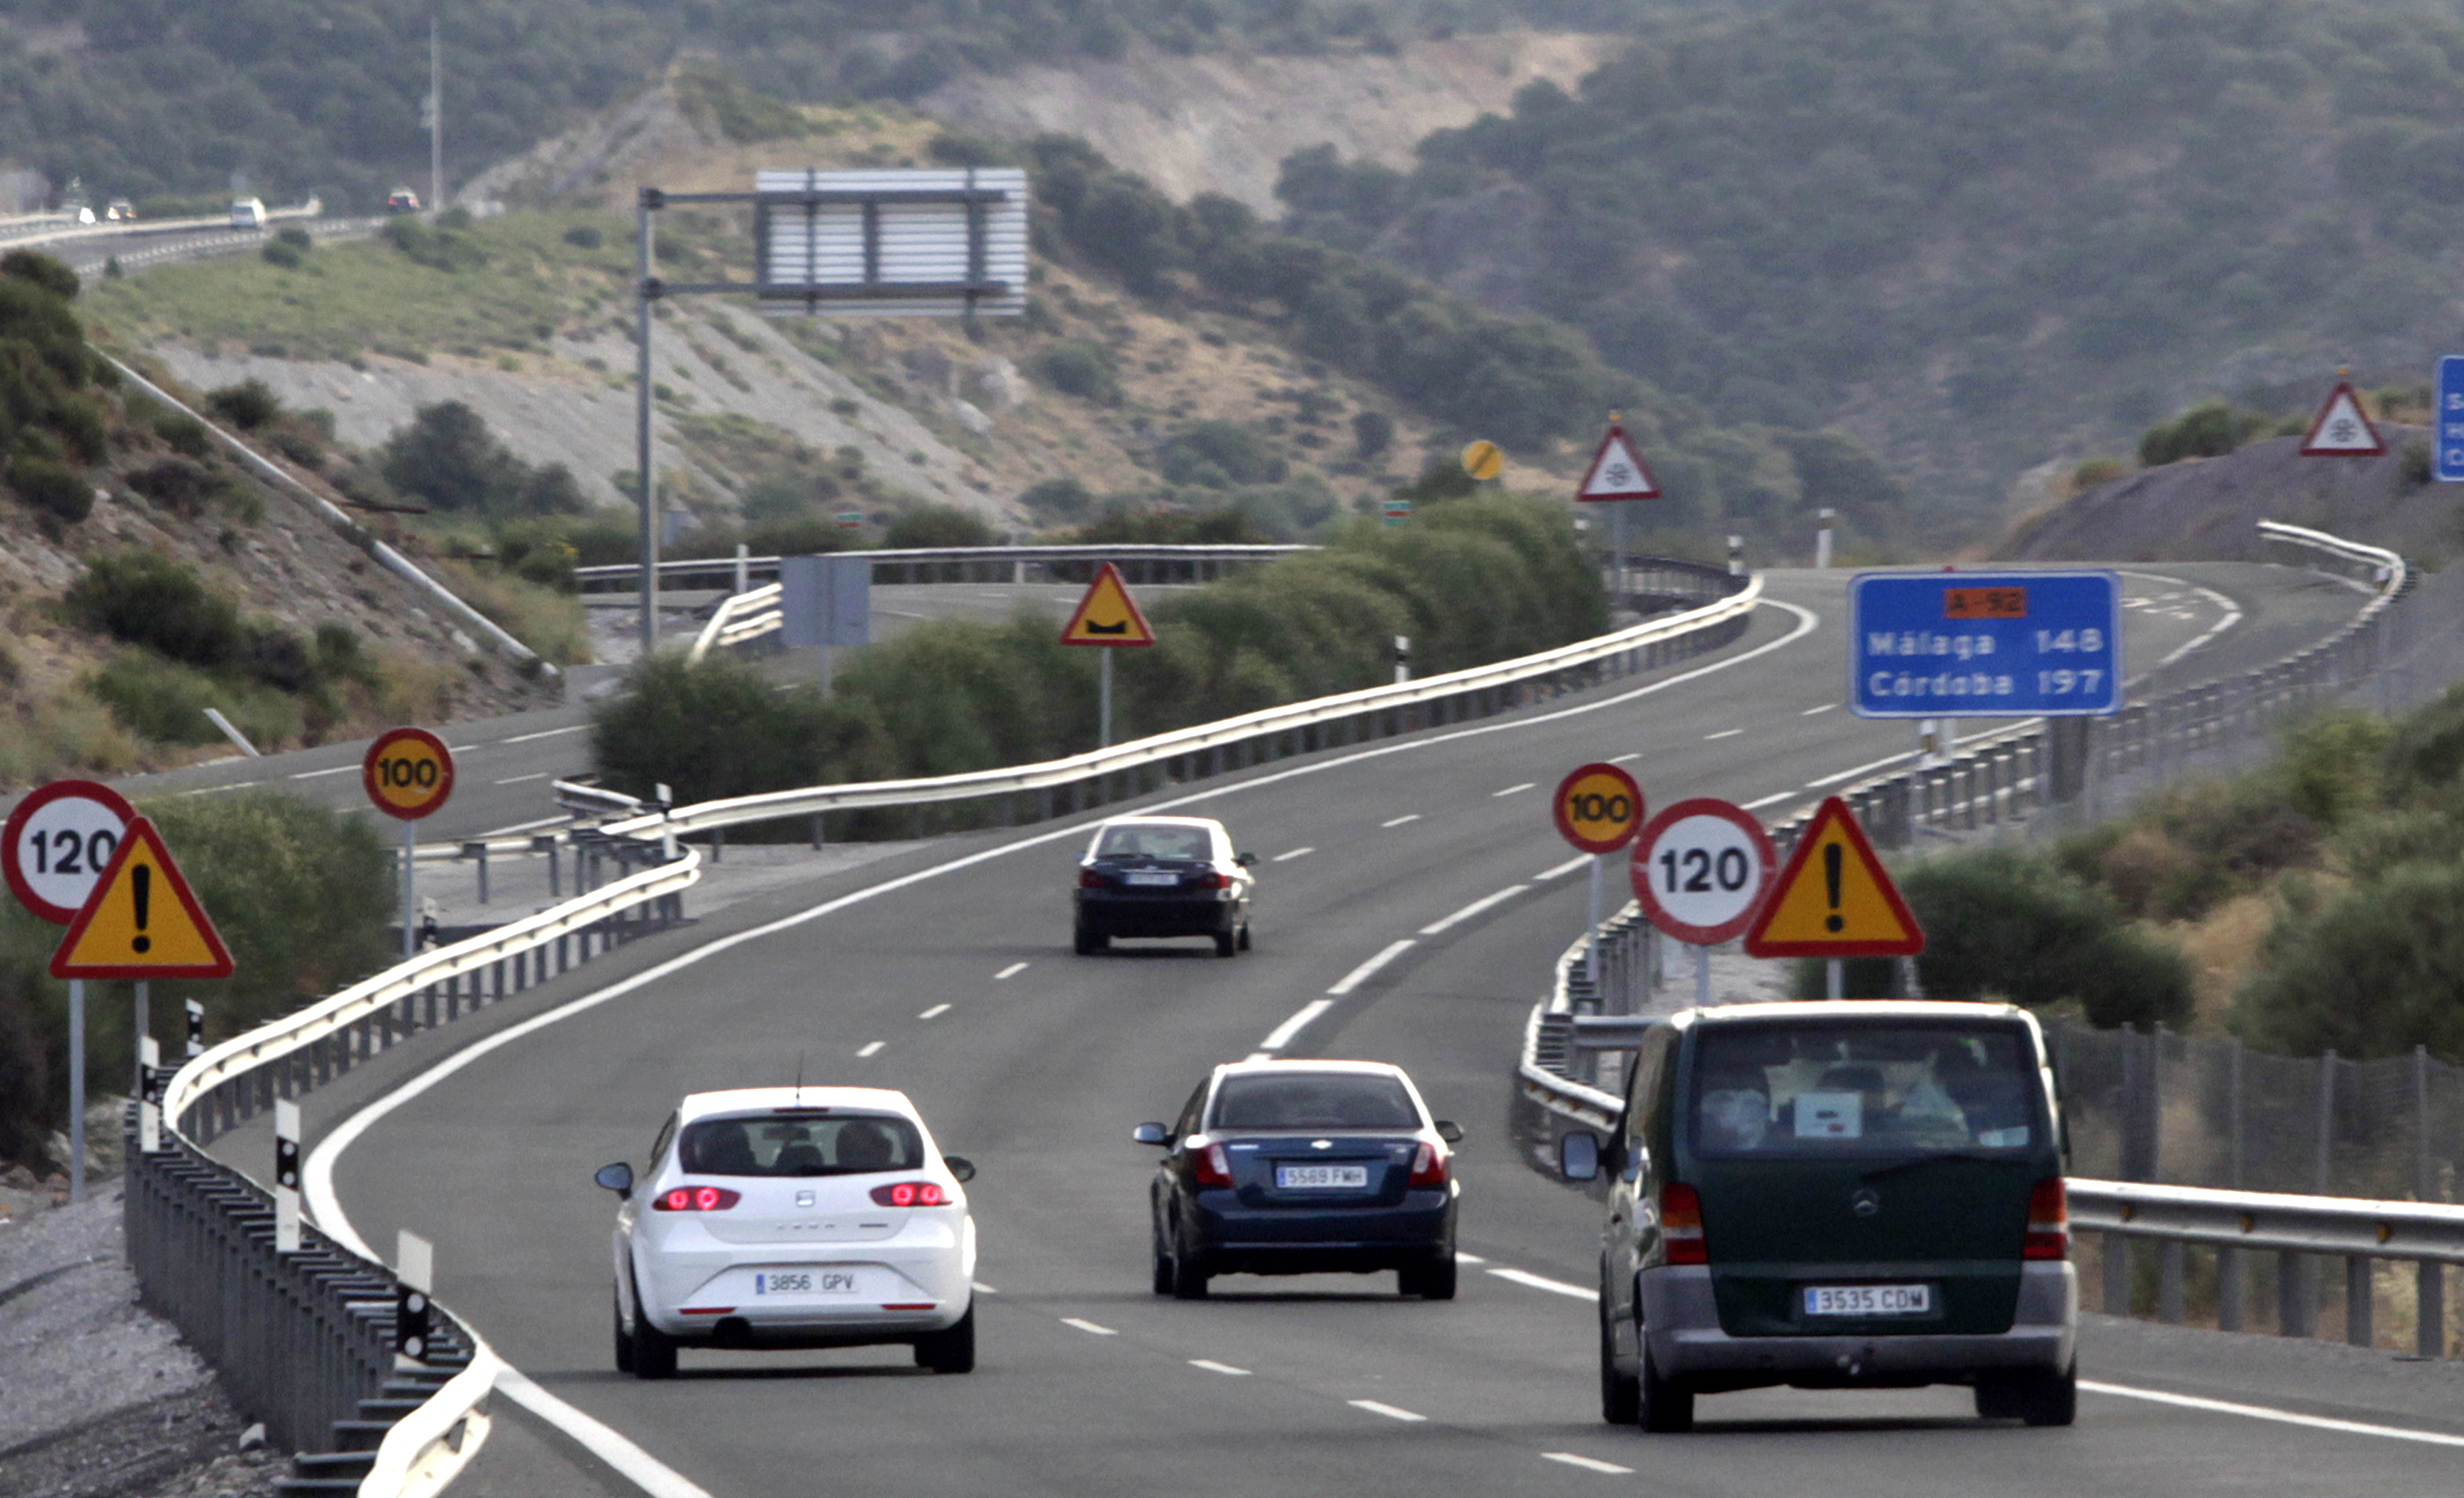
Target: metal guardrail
(958, 563)
(95, 259)
(740, 617)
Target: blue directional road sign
(1985, 643)
(2450, 419)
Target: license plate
(804, 1282)
(1164, 880)
(1868, 1300)
(1321, 1177)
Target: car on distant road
(120, 212)
(1836, 1195)
(1304, 1167)
(401, 200)
(794, 1217)
(1163, 876)
(248, 213)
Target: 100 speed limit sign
(1700, 868)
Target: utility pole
(435, 122)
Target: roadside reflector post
(1402, 659)
(196, 1029)
(1736, 556)
(1822, 537)
(414, 1272)
(286, 1175)
(149, 1095)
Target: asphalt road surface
(1037, 1063)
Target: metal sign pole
(77, 1090)
(142, 1021)
(1836, 978)
(1593, 959)
(1103, 700)
(649, 479)
(1702, 977)
(409, 890)
(1616, 555)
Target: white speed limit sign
(58, 842)
(1700, 869)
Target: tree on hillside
(447, 456)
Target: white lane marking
(1390, 1411)
(310, 775)
(1461, 1257)
(1212, 1366)
(1862, 769)
(981, 1288)
(1011, 971)
(1089, 1326)
(1511, 789)
(1554, 870)
(1620, 758)
(1283, 1034)
(638, 1467)
(1813, 712)
(520, 778)
(324, 1204)
(216, 790)
(1768, 801)
(1400, 821)
(1538, 1281)
(2232, 614)
(872, 1049)
(545, 733)
(1726, 733)
(463, 748)
(1474, 908)
(1369, 969)
(525, 826)
(934, 1012)
(1587, 1463)
(1259, 1055)
(2350, 1427)
(1298, 853)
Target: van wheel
(1621, 1392)
(2039, 1398)
(952, 1350)
(1662, 1408)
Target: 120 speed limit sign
(57, 844)
(1700, 868)
(1598, 808)
(409, 773)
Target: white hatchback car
(794, 1217)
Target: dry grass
(2224, 950)
(547, 621)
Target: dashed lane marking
(1369, 969)
(1298, 853)
(545, 733)
(1391, 1412)
(1212, 1366)
(1541, 1281)
(1587, 1463)
(872, 1049)
(1011, 971)
(1557, 870)
(1089, 1326)
(1409, 816)
(980, 1288)
(1620, 758)
(1483, 903)
(310, 775)
(1511, 789)
(1461, 1257)
(1815, 712)
(934, 1012)
(1769, 800)
(1726, 733)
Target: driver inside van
(1735, 1111)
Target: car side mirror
(617, 1177)
(1578, 1156)
(1245, 860)
(1151, 1134)
(1451, 1130)
(961, 1167)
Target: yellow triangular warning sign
(1108, 615)
(2342, 429)
(1833, 900)
(142, 920)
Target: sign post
(1700, 869)
(1616, 476)
(1835, 900)
(1107, 617)
(56, 843)
(409, 774)
(1598, 809)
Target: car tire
(654, 1351)
(1433, 1280)
(1621, 1392)
(1163, 1269)
(1227, 941)
(1189, 1274)
(1087, 944)
(952, 1350)
(1661, 1406)
(624, 1342)
(1244, 936)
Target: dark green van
(1833, 1196)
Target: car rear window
(801, 1144)
(1838, 1089)
(1326, 1100)
(1149, 840)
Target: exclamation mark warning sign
(142, 920)
(1834, 899)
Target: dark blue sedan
(1163, 876)
(1305, 1167)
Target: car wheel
(1661, 1406)
(654, 1351)
(950, 1352)
(1162, 1267)
(1087, 944)
(1244, 936)
(624, 1343)
(1621, 1392)
(1189, 1275)
(1433, 1280)
(1227, 941)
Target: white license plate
(1164, 880)
(804, 1282)
(1321, 1177)
(1868, 1300)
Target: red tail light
(1210, 1165)
(1680, 1224)
(1428, 1167)
(1091, 879)
(2049, 1222)
(697, 1199)
(1218, 881)
(911, 1193)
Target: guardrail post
(2117, 1274)
(2356, 1300)
(2168, 1284)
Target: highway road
(946, 971)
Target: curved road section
(1412, 895)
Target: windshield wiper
(1970, 1155)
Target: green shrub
(2427, 749)
(1373, 433)
(584, 237)
(281, 253)
(2193, 845)
(53, 488)
(2000, 923)
(2371, 971)
(1220, 454)
(2211, 429)
(938, 525)
(721, 728)
(1075, 366)
(186, 436)
(448, 457)
(1062, 499)
(146, 599)
(296, 237)
(38, 268)
(249, 404)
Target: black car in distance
(1163, 876)
(1304, 1167)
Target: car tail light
(2049, 1222)
(1216, 881)
(1428, 1167)
(1681, 1224)
(697, 1199)
(1091, 879)
(1212, 1166)
(911, 1193)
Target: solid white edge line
(1087, 1326)
(310, 775)
(325, 1207)
(1298, 853)
(1566, 868)
(1390, 1411)
(602, 1441)
(1259, 1055)
(1283, 1034)
(872, 1049)
(1511, 789)
(1587, 1463)
(2350, 1427)
(547, 733)
(1540, 1282)
(1865, 768)
(1473, 909)
(1369, 969)
(1225, 1369)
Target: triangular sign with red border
(1616, 471)
(142, 920)
(2342, 429)
(1108, 615)
(1834, 899)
